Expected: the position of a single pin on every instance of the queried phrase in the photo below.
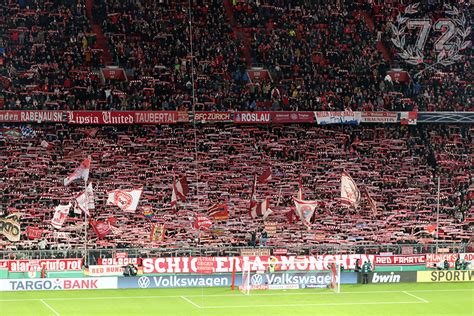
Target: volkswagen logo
(256, 279)
(144, 282)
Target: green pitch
(387, 299)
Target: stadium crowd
(319, 56)
(398, 165)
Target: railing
(94, 254)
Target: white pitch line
(417, 297)
(49, 306)
(227, 295)
(190, 302)
(316, 304)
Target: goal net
(279, 275)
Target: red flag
(431, 229)
(289, 216)
(103, 228)
(81, 172)
(202, 222)
(33, 232)
(180, 190)
(370, 200)
(219, 211)
(265, 176)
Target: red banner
(294, 117)
(206, 117)
(117, 261)
(114, 73)
(257, 263)
(31, 116)
(400, 260)
(205, 265)
(252, 117)
(126, 117)
(379, 117)
(33, 232)
(50, 265)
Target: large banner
(341, 117)
(126, 117)
(212, 117)
(58, 284)
(49, 264)
(24, 116)
(292, 117)
(171, 117)
(445, 276)
(436, 259)
(379, 117)
(257, 263)
(400, 260)
(252, 117)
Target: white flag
(127, 200)
(85, 201)
(350, 194)
(60, 215)
(305, 210)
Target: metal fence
(93, 254)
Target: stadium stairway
(240, 34)
(101, 40)
(380, 45)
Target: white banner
(338, 117)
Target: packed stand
(47, 54)
(398, 165)
(152, 41)
(321, 55)
(450, 89)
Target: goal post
(278, 275)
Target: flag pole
(86, 257)
(437, 218)
(279, 198)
